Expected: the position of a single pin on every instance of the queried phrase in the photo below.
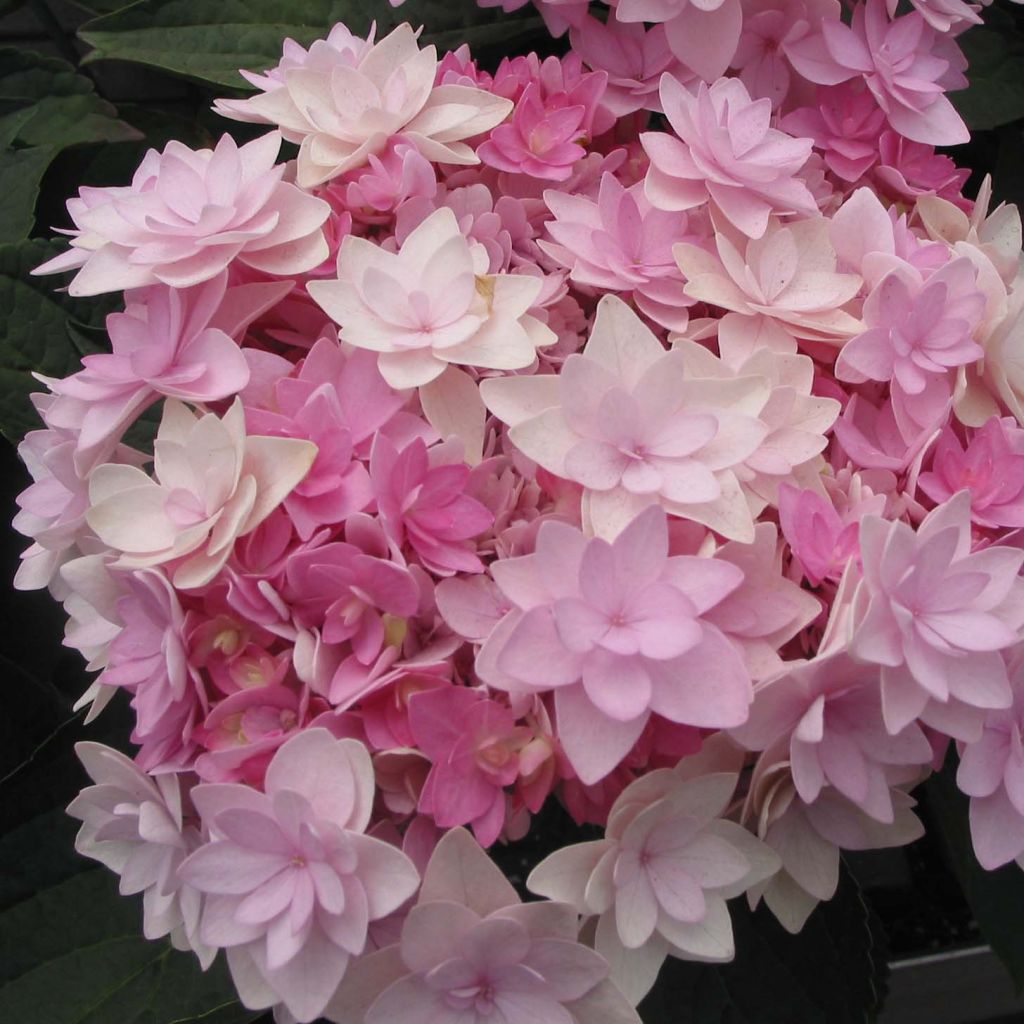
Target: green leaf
(21, 171)
(995, 897)
(74, 954)
(52, 105)
(37, 854)
(833, 972)
(210, 40)
(33, 330)
(995, 55)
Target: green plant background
(85, 89)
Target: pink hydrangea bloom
(704, 36)
(621, 243)
(625, 420)
(830, 710)
(935, 617)
(290, 878)
(845, 127)
(343, 590)
(991, 773)
(818, 536)
(725, 150)
(168, 342)
(134, 824)
(907, 170)
(400, 172)
(904, 62)
(917, 328)
(213, 484)
(617, 631)
(661, 876)
(990, 467)
(189, 213)
(470, 953)
(770, 27)
(473, 744)
(150, 660)
(345, 108)
(633, 57)
(425, 306)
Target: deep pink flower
(725, 150)
(423, 503)
(617, 632)
(400, 172)
(990, 467)
(473, 744)
(906, 64)
(909, 169)
(845, 127)
(817, 535)
(539, 140)
(344, 591)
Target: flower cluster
(516, 445)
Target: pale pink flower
(621, 243)
(829, 708)
(425, 306)
(345, 108)
(918, 328)
(661, 876)
(617, 631)
(945, 16)
(51, 510)
(627, 420)
(134, 824)
(991, 773)
(704, 35)
(291, 881)
(473, 744)
(470, 953)
(724, 150)
(633, 57)
(168, 341)
(789, 276)
(765, 613)
(213, 484)
(990, 467)
(845, 127)
(149, 659)
(770, 27)
(422, 502)
(188, 214)
(874, 438)
(808, 837)
(906, 64)
(936, 618)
